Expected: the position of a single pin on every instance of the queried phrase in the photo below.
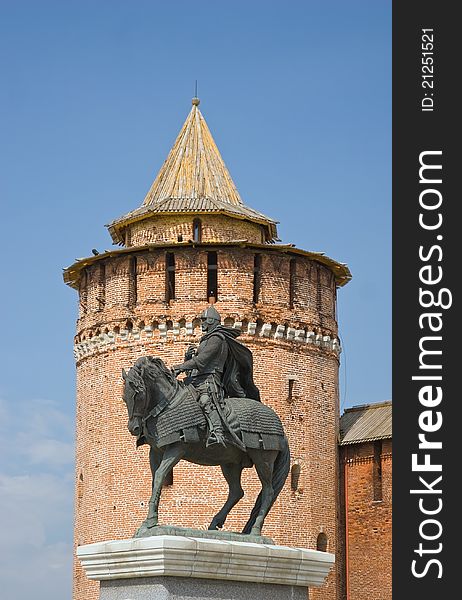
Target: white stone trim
(100, 342)
(180, 556)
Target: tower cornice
(341, 272)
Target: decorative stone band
(359, 460)
(179, 556)
(100, 342)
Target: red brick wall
(366, 536)
(112, 477)
(215, 228)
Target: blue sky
(298, 98)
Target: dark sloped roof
(192, 205)
(366, 423)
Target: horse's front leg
(155, 458)
(171, 456)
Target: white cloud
(48, 452)
(36, 501)
(41, 575)
(37, 433)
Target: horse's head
(141, 383)
(134, 397)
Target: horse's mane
(148, 367)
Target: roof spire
(193, 179)
(195, 100)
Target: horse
(164, 413)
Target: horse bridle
(158, 408)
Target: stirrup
(214, 439)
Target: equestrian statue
(212, 417)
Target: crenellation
(98, 343)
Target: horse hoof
(145, 528)
(255, 531)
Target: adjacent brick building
(191, 242)
(366, 501)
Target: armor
(205, 366)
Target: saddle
(256, 424)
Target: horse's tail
(280, 472)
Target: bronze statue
(219, 368)
(237, 431)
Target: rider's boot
(217, 434)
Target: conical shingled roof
(193, 179)
(194, 168)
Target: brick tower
(194, 241)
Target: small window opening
(170, 276)
(292, 268)
(133, 292)
(377, 471)
(212, 277)
(80, 488)
(295, 476)
(290, 395)
(256, 278)
(321, 542)
(197, 230)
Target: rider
(220, 367)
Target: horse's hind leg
(264, 470)
(232, 474)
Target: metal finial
(195, 100)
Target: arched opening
(292, 271)
(229, 322)
(133, 291)
(295, 476)
(377, 471)
(321, 542)
(212, 277)
(80, 488)
(256, 278)
(197, 230)
(169, 276)
(291, 390)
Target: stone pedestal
(168, 567)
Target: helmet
(211, 315)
